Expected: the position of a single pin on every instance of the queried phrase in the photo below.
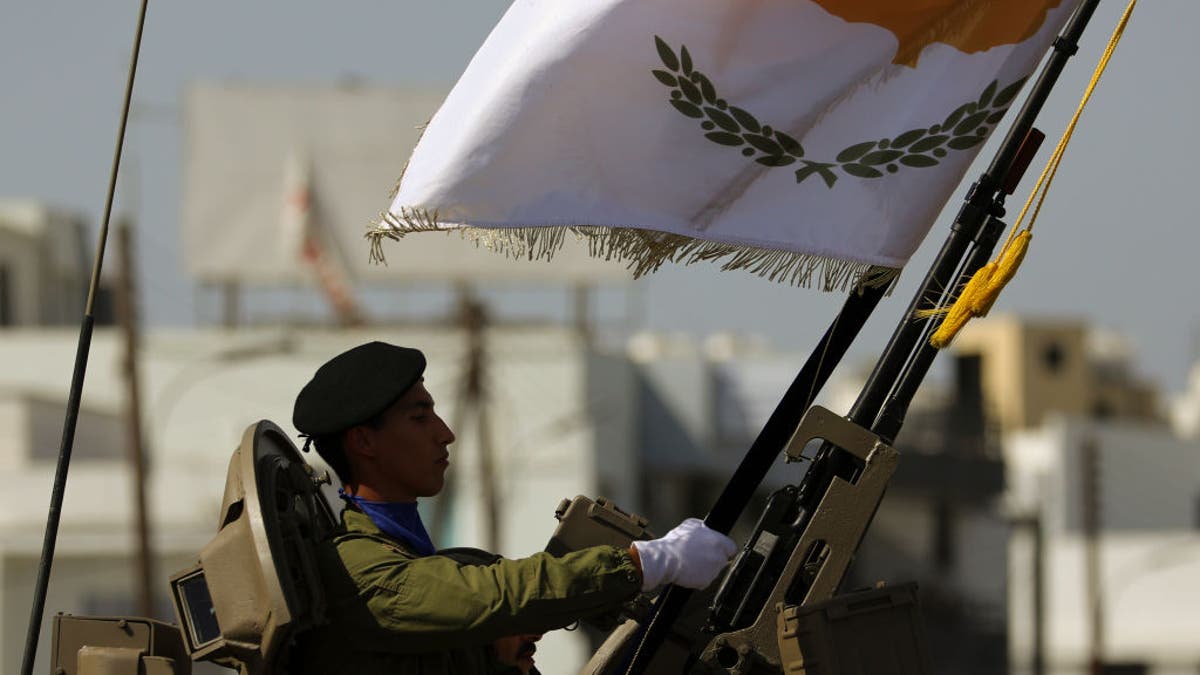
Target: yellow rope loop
(985, 286)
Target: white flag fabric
(804, 140)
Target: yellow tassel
(983, 289)
(960, 311)
(1010, 261)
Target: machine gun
(775, 609)
(795, 560)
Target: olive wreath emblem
(695, 96)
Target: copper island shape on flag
(970, 26)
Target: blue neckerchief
(398, 520)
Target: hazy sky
(1115, 243)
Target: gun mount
(802, 562)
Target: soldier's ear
(358, 443)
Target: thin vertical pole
(231, 296)
(581, 312)
(127, 310)
(1039, 596)
(1089, 470)
(475, 323)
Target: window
(1053, 358)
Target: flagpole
(80, 369)
(984, 203)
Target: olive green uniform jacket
(392, 611)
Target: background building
(44, 258)
(656, 423)
(1104, 500)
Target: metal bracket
(827, 545)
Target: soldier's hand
(691, 555)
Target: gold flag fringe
(643, 251)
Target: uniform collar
(357, 522)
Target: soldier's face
(517, 650)
(408, 454)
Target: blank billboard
(242, 144)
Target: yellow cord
(980, 293)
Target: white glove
(691, 555)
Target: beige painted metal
(89, 645)
(583, 522)
(158, 665)
(875, 631)
(838, 524)
(109, 660)
(259, 569)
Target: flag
(810, 141)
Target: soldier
(517, 650)
(394, 605)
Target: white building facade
(1147, 550)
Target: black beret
(354, 386)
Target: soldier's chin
(525, 655)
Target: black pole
(984, 200)
(76, 391)
(771, 440)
